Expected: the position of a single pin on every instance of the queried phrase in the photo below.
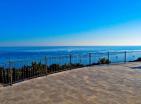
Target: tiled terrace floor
(108, 84)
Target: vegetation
(35, 70)
(104, 61)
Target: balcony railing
(18, 70)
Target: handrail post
(10, 73)
(108, 56)
(90, 61)
(80, 59)
(125, 58)
(70, 59)
(46, 66)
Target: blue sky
(70, 22)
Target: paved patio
(107, 84)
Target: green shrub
(65, 66)
(54, 67)
(104, 61)
(38, 68)
(18, 73)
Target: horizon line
(72, 46)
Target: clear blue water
(32, 53)
(11, 51)
(56, 48)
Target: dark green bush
(38, 68)
(54, 67)
(104, 61)
(65, 66)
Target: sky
(70, 22)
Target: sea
(117, 53)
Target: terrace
(100, 84)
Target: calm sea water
(14, 53)
(64, 49)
